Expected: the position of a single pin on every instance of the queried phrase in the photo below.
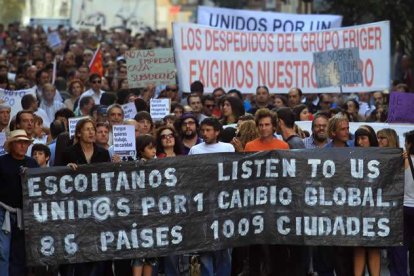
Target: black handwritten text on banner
(205, 202)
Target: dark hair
(64, 112)
(351, 100)
(80, 124)
(142, 142)
(94, 76)
(264, 87)
(197, 86)
(178, 148)
(192, 96)
(409, 139)
(227, 134)
(207, 97)
(107, 99)
(266, 113)
(298, 109)
(63, 141)
(27, 100)
(236, 104)
(282, 98)
(239, 94)
(140, 105)
(362, 131)
(40, 147)
(56, 128)
(18, 119)
(213, 122)
(286, 114)
(143, 115)
(297, 89)
(319, 115)
(84, 101)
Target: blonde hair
(247, 132)
(334, 122)
(391, 136)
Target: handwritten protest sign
(14, 98)
(273, 22)
(401, 107)
(150, 67)
(198, 203)
(337, 67)
(159, 108)
(130, 110)
(2, 141)
(245, 60)
(124, 140)
(72, 124)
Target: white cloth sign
(72, 124)
(273, 22)
(124, 140)
(14, 98)
(245, 60)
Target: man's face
(325, 102)
(96, 84)
(83, 73)
(18, 149)
(262, 96)
(208, 134)
(40, 158)
(319, 130)
(102, 135)
(115, 116)
(341, 133)
(217, 95)
(171, 91)
(4, 117)
(189, 128)
(195, 104)
(144, 126)
(293, 97)
(49, 93)
(26, 123)
(266, 129)
(378, 98)
(208, 107)
(44, 78)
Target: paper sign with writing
(130, 110)
(14, 98)
(150, 67)
(124, 140)
(2, 141)
(337, 67)
(159, 108)
(72, 124)
(401, 108)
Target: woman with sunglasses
(168, 143)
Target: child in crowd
(146, 150)
(41, 153)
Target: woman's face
(178, 112)
(351, 108)
(363, 141)
(304, 115)
(383, 141)
(149, 152)
(278, 103)
(226, 109)
(87, 133)
(76, 89)
(167, 138)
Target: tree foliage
(11, 10)
(398, 12)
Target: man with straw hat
(12, 254)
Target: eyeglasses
(167, 136)
(190, 123)
(96, 81)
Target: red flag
(96, 65)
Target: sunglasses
(96, 82)
(167, 136)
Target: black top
(10, 180)
(74, 154)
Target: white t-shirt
(211, 148)
(409, 187)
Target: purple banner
(401, 108)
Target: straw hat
(16, 135)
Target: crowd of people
(199, 123)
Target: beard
(189, 135)
(320, 137)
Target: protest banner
(127, 14)
(124, 140)
(337, 67)
(2, 141)
(72, 124)
(199, 203)
(245, 60)
(150, 67)
(159, 108)
(14, 98)
(259, 21)
(400, 129)
(53, 39)
(400, 109)
(130, 110)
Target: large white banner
(14, 98)
(132, 14)
(245, 60)
(260, 21)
